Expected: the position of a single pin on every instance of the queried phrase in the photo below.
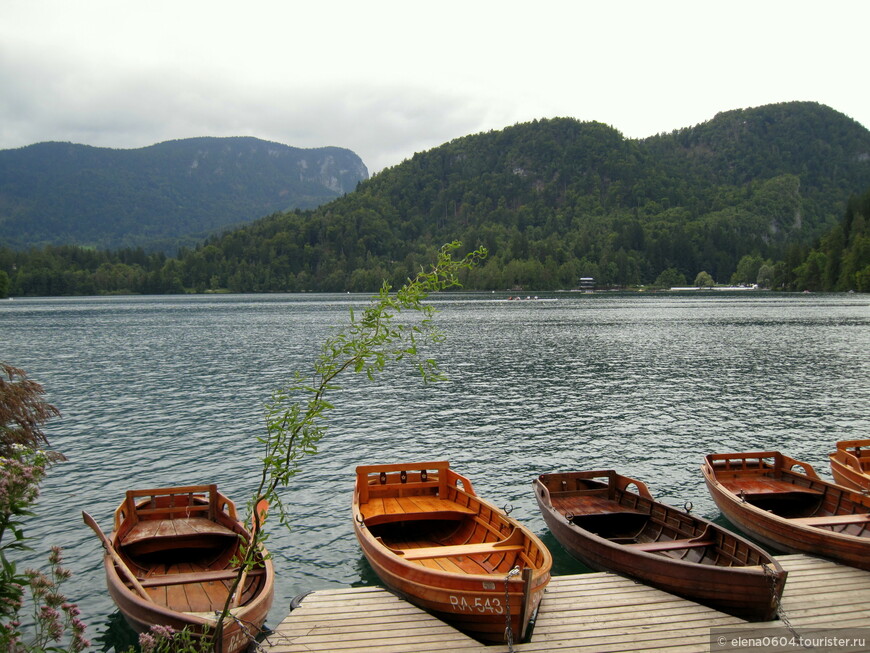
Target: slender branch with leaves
(295, 414)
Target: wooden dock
(598, 612)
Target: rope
(508, 631)
(780, 611)
(246, 632)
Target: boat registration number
(492, 605)
(237, 641)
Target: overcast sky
(391, 78)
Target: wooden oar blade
(119, 562)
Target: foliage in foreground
(54, 624)
(294, 426)
(295, 414)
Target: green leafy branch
(295, 414)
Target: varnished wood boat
(783, 503)
(169, 561)
(434, 542)
(850, 464)
(612, 523)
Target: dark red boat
(601, 521)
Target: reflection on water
(169, 391)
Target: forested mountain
(555, 200)
(162, 196)
(742, 198)
(840, 259)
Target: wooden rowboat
(850, 464)
(169, 561)
(599, 520)
(434, 542)
(783, 503)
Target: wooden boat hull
(796, 512)
(469, 581)
(850, 464)
(717, 567)
(182, 565)
(141, 614)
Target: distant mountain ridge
(553, 200)
(557, 199)
(157, 197)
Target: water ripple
(170, 390)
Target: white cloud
(389, 78)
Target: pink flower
(71, 609)
(147, 643)
(164, 632)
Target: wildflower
(62, 573)
(47, 612)
(54, 599)
(147, 643)
(79, 643)
(165, 632)
(71, 609)
(40, 585)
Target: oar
(107, 545)
(262, 508)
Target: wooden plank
(407, 642)
(367, 622)
(763, 485)
(483, 548)
(167, 529)
(434, 504)
(620, 621)
(670, 545)
(440, 465)
(176, 598)
(833, 520)
(349, 623)
(383, 510)
(417, 626)
(196, 577)
(392, 505)
(196, 597)
(172, 510)
(595, 612)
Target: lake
(170, 391)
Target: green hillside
(552, 200)
(162, 196)
(555, 200)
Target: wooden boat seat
(486, 548)
(151, 535)
(601, 492)
(670, 545)
(212, 616)
(394, 509)
(580, 503)
(833, 520)
(195, 577)
(512, 543)
(763, 485)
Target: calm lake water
(170, 390)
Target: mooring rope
(508, 631)
(780, 611)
